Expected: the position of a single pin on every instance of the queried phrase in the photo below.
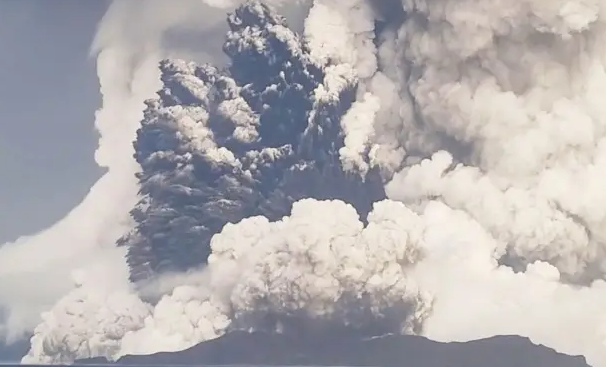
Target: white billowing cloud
(35, 271)
(322, 259)
(104, 295)
(357, 125)
(343, 31)
(507, 115)
(327, 267)
(341, 34)
(476, 298)
(514, 90)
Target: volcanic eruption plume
(423, 166)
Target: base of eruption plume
(347, 349)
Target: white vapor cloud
(36, 271)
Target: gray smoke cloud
(424, 166)
(219, 147)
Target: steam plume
(36, 271)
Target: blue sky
(48, 96)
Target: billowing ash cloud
(219, 146)
(309, 273)
(423, 166)
(516, 89)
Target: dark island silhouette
(272, 349)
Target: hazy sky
(48, 96)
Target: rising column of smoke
(36, 271)
(128, 76)
(218, 147)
